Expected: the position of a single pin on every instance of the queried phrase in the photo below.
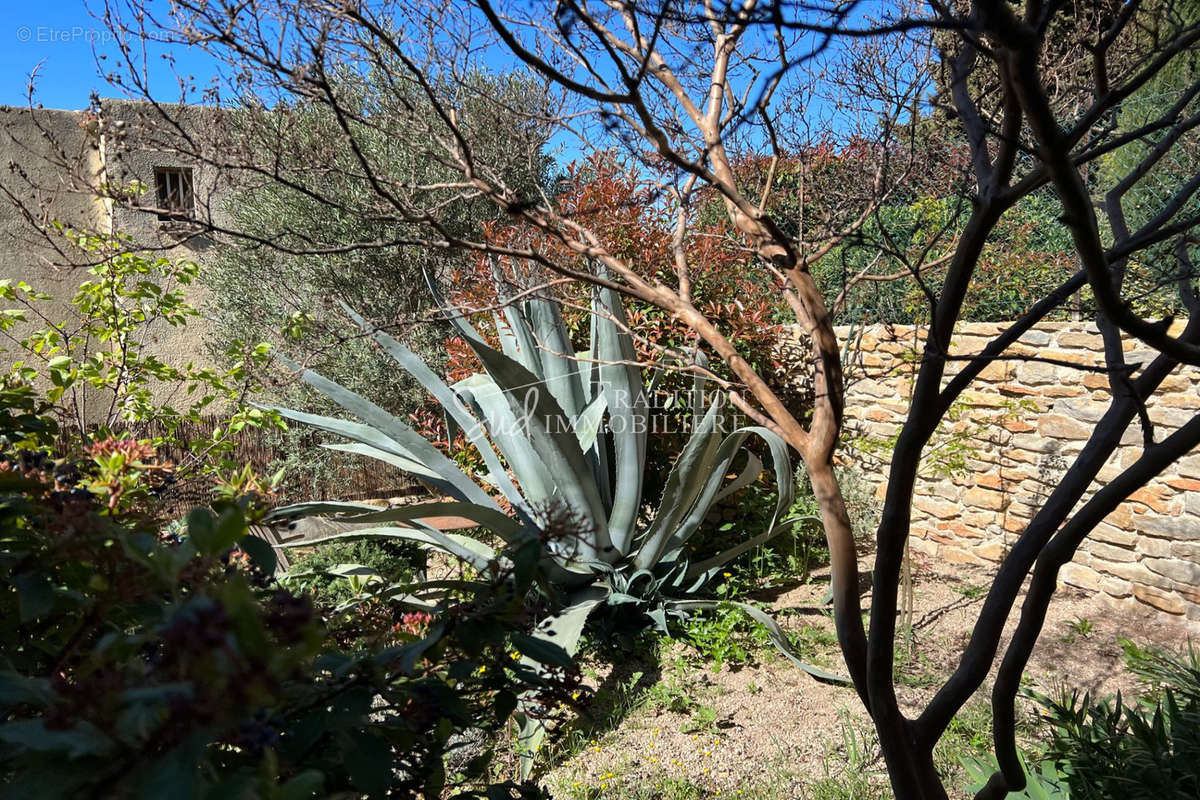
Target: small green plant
(703, 720)
(1045, 782)
(969, 735)
(322, 572)
(101, 373)
(851, 775)
(724, 635)
(671, 693)
(971, 591)
(1081, 628)
(911, 667)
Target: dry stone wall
(1006, 445)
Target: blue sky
(64, 39)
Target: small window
(176, 200)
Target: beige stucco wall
(56, 164)
(37, 190)
(1021, 425)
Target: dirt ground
(769, 730)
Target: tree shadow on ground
(636, 666)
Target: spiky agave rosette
(555, 429)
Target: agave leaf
(586, 372)
(659, 617)
(375, 444)
(774, 632)
(563, 629)
(587, 424)
(401, 598)
(499, 523)
(543, 421)
(399, 462)
(598, 455)
(628, 411)
(449, 313)
(411, 444)
(560, 369)
(688, 476)
(699, 384)
(413, 365)
(348, 570)
(725, 456)
(537, 483)
(748, 475)
(472, 551)
(314, 507)
(527, 348)
(508, 342)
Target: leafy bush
(99, 369)
(142, 662)
(1150, 749)
(392, 561)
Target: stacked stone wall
(1004, 448)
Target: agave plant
(562, 430)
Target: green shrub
(100, 376)
(392, 561)
(137, 661)
(1149, 749)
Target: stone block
(1061, 391)
(1116, 587)
(1186, 550)
(1082, 409)
(1155, 548)
(1111, 534)
(1188, 467)
(1178, 570)
(1035, 337)
(1170, 417)
(1152, 496)
(986, 499)
(992, 551)
(1169, 602)
(1080, 576)
(1185, 528)
(956, 555)
(1037, 373)
(1058, 426)
(1124, 570)
(1031, 443)
(1110, 553)
(997, 371)
(1185, 399)
(937, 508)
(1081, 341)
(1121, 517)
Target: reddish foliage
(633, 223)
